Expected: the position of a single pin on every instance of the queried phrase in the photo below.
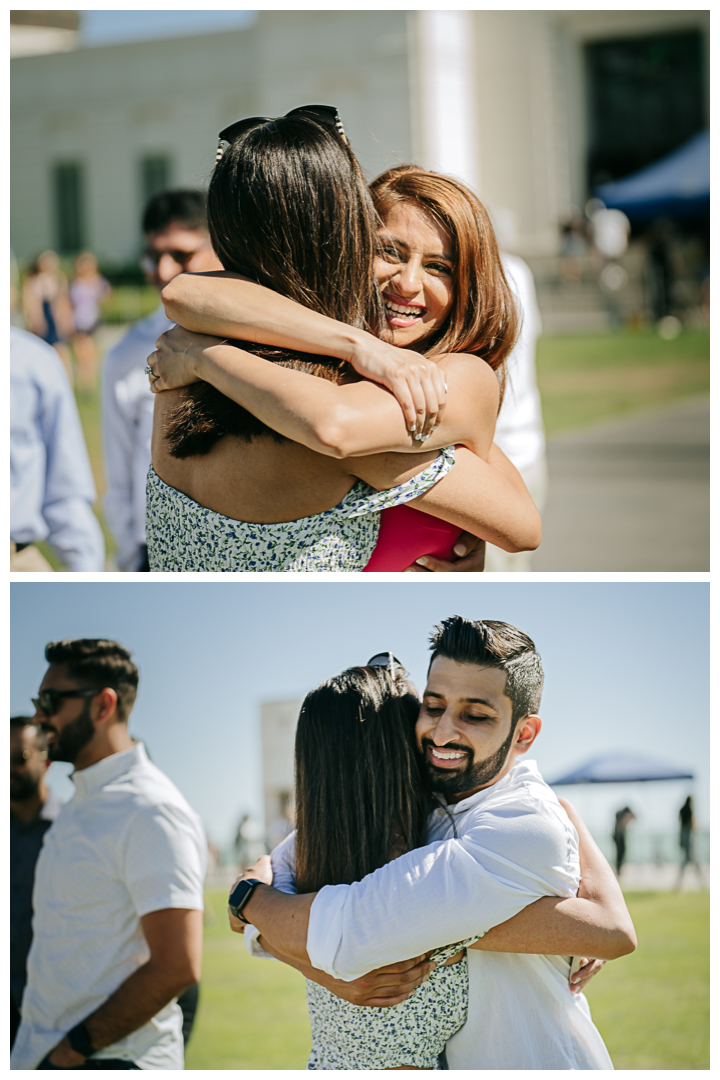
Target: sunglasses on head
(327, 115)
(49, 701)
(386, 660)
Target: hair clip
(341, 129)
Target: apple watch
(240, 895)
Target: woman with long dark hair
(287, 206)
(352, 817)
(360, 803)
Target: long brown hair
(288, 208)
(359, 794)
(484, 318)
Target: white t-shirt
(502, 849)
(127, 414)
(519, 431)
(125, 845)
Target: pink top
(407, 533)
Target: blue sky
(626, 668)
(114, 27)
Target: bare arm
(174, 938)
(337, 420)
(476, 496)
(223, 304)
(228, 306)
(595, 923)
(488, 499)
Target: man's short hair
(96, 662)
(494, 645)
(185, 206)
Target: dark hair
(21, 722)
(96, 662)
(288, 208)
(359, 795)
(185, 206)
(494, 645)
(483, 318)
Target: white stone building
(503, 99)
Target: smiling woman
(415, 271)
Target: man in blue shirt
(51, 484)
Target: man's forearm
(595, 923)
(559, 927)
(282, 919)
(134, 1003)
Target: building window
(155, 176)
(646, 98)
(69, 210)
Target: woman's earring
(220, 151)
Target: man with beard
(33, 808)
(499, 842)
(118, 885)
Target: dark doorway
(69, 207)
(646, 97)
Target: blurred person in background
(117, 930)
(46, 305)
(573, 245)
(519, 431)
(622, 820)
(687, 837)
(88, 289)
(33, 808)
(176, 239)
(51, 484)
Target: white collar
(95, 777)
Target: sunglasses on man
(49, 702)
(150, 259)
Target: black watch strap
(240, 895)
(80, 1041)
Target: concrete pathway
(631, 495)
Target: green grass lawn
(652, 1008)
(589, 377)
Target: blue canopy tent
(677, 185)
(621, 768)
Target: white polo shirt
(491, 856)
(125, 845)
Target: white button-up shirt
(127, 413)
(489, 857)
(125, 845)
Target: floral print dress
(346, 1036)
(182, 535)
